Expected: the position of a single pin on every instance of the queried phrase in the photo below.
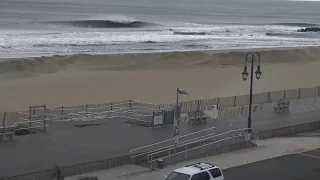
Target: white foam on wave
(237, 28)
(216, 37)
(113, 17)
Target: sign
(158, 120)
(176, 131)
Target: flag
(182, 91)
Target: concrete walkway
(266, 149)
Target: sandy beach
(152, 77)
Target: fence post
(58, 173)
(30, 116)
(4, 120)
(4, 124)
(218, 103)
(268, 97)
(44, 118)
(111, 106)
(130, 104)
(198, 105)
(299, 95)
(87, 109)
(152, 121)
(234, 101)
(61, 115)
(284, 94)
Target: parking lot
(301, 166)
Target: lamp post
(176, 123)
(251, 58)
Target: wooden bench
(282, 106)
(197, 117)
(7, 132)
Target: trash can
(215, 112)
(160, 163)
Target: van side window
(201, 176)
(215, 172)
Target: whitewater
(43, 27)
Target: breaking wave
(296, 24)
(103, 24)
(189, 33)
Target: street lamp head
(245, 73)
(258, 72)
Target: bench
(197, 117)
(282, 106)
(7, 132)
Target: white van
(198, 171)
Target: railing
(243, 100)
(137, 152)
(202, 143)
(254, 134)
(77, 112)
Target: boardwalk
(65, 144)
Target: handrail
(168, 140)
(201, 140)
(193, 148)
(150, 156)
(166, 148)
(256, 132)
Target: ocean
(47, 27)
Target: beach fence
(148, 114)
(133, 112)
(241, 102)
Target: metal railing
(76, 112)
(141, 151)
(202, 143)
(243, 100)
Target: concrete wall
(291, 130)
(74, 169)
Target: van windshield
(178, 176)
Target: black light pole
(251, 58)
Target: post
(4, 120)
(130, 104)
(87, 109)
(61, 116)
(218, 103)
(198, 105)
(30, 116)
(250, 103)
(235, 100)
(169, 155)
(284, 94)
(299, 95)
(152, 118)
(58, 173)
(111, 106)
(4, 124)
(176, 123)
(44, 118)
(186, 151)
(268, 97)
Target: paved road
(65, 144)
(305, 166)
